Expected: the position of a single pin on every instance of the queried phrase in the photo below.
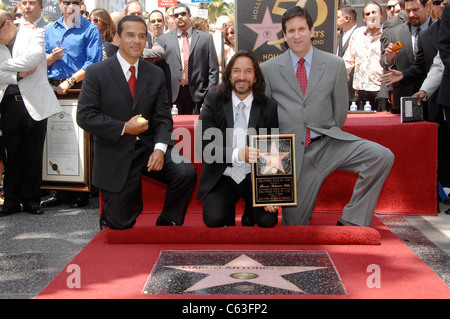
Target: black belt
(15, 97)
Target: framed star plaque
(273, 175)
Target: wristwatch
(71, 81)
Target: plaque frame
(80, 178)
(275, 177)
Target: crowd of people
(125, 103)
(381, 74)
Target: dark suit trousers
(24, 142)
(122, 208)
(219, 205)
(185, 104)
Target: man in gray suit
(32, 12)
(194, 72)
(313, 106)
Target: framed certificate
(273, 175)
(67, 151)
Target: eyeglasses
(31, 3)
(183, 14)
(390, 7)
(68, 3)
(437, 2)
(156, 20)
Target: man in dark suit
(126, 145)
(193, 62)
(226, 174)
(418, 21)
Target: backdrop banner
(258, 25)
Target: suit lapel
(287, 72)
(316, 72)
(175, 43)
(140, 83)
(254, 114)
(118, 77)
(228, 111)
(194, 38)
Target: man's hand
(390, 55)
(26, 73)
(135, 127)
(393, 76)
(421, 95)
(155, 161)
(57, 54)
(63, 88)
(248, 154)
(271, 208)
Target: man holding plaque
(238, 107)
(310, 88)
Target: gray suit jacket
(203, 63)
(324, 107)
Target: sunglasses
(95, 20)
(183, 14)
(389, 8)
(437, 2)
(17, 15)
(156, 20)
(68, 3)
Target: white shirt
(126, 71)
(248, 106)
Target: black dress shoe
(9, 211)
(342, 222)
(164, 222)
(53, 201)
(79, 202)
(33, 209)
(103, 223)
(247, 220)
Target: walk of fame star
(245, 269)
(274, 159)
(267, 30)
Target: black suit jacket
(428, 46)
(217, 112)
(444, 52)
(404, 59)
(105, 104)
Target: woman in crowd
(107, 28)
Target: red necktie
(132, 80)
(186, 49)
(303, 81)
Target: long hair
(225, 87)
(110, 27)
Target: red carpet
(121, 271)
(146, 233)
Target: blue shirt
(82, 45)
